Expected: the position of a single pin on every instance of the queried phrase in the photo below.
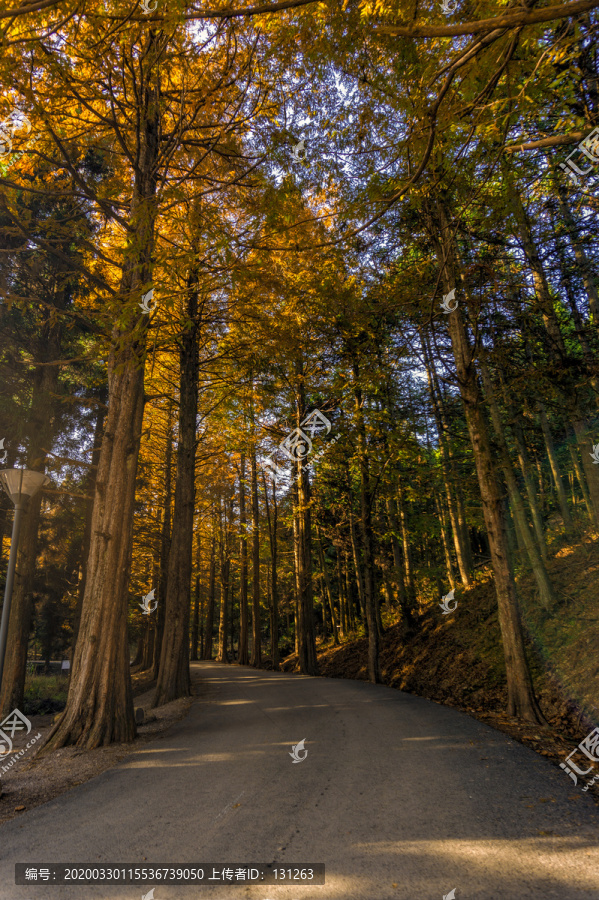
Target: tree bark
(90, 483)
(243, 569)
(555, 471)
(211, 599)
(546, 592)
(327, 586)
(521, 698)
(100, 702)
(165, 542)
(374, 666)
(274, 589)
(256, 659)
(459, 534)
(225, 570)
(173, 674)
(196, 606)
(308, 661)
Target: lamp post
(20, 485)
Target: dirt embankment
(457, 659)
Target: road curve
(399, 797)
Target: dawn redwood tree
(100, 702)
(173, 674)
(521, 698)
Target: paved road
(399, 797)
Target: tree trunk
(274, 589)
(243, 569)
(374, 667)
(327, 586)
(546, 593)
(165, 542)
(444, 540)
(256, 659)
(521, 699)
(90, 483)
(173, 674)
(584, 264)
(225, 564)
(196, 606)
(581, 481)
(99, 707)
(308, 662)
(460, 535)
(407, 551)
(555, 471)
(357, 564)
(211, 599)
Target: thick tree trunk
(521, 699)
(173, 675)
(100, 702)
(243, 569)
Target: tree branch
(512, 20)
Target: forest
(299, 315)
